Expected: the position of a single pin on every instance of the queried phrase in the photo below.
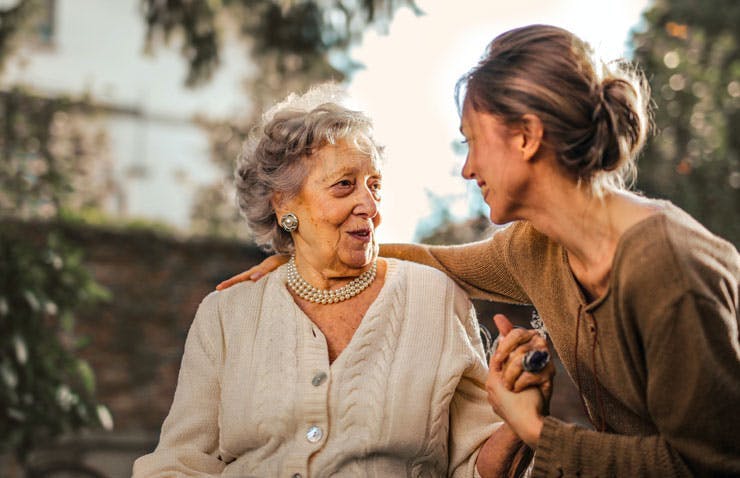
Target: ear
(277, 201)
(531, 135)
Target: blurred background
(119, 124)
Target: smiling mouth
(361, 234)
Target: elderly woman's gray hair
(274, 156)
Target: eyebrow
(330, 176)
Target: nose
(367, 203)
(467, 170)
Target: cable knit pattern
(366, 373)
(404, 398)
(436, 445)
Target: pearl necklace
(306, 291)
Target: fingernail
(256, 275)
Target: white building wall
(98, 49)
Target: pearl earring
(289, 222)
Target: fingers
(514, 339)
(546, 387)
(542, 379)
(511, 367)
(503, 324)
(254, 273)
(244, 276)
(494, 386)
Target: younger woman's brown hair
(595, 116)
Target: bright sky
(408, 83)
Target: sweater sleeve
(188, 444)
(472, 420)
(481, 268)
(691, 353)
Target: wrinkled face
(493, 161)
(337, 209)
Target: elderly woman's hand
(254, 273)
(513, 345)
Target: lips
(362, 234)
(483, 189)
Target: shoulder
(434, 285)
(670, 254)
(238, 300)
(411, 271)
(526, 246)
(243, 291)
(425, 276)
(516, 235)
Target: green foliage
(289, 36)
(214, 211)
(689, 50)
(15, 21)
(51, 158)
(52, 155)
(97, 217)
(45, 390)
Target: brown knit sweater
(656, 358)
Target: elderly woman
(338, 363)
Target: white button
(318, 379)
(314, 434)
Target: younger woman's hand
(522, 411)
(254, 273)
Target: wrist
(532, 431)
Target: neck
(588, 227)
(327, 275)
(584, 225)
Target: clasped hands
(519, 397)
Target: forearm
(574, 451)
(496, 456)
(478, 268)
(408, 252)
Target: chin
(358, 259)
(499, 218)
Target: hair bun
(619, 123)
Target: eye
(343, 187)
(375, 188)
(344, 183)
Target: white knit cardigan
(257, 397)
